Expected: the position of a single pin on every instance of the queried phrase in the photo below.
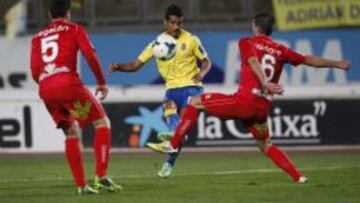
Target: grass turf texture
(199, 177)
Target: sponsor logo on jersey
(183, 47)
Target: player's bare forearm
(265, 85)
(320, 62)
(205, 67)
(125, 67)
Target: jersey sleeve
(293, 57)
(88, 50)
(35, 61)
(199, 50)
(84, 40)
(246, 50)
(146, 54)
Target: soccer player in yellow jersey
(183, 78)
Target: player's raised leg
(187, 122)
(220, 105)
(261, 133)
(177, 100)
(172, 119)
(102, 145)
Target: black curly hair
(59, 8)
(173, 10)
(265, 21)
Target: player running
(262, 61)
(53, 65)
(181, 74)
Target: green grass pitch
(199, 177)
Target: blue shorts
(181, 95)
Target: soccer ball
(164, 47)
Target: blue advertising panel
(223, 51)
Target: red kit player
(53, 64)
(262, 60)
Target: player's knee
(169, 108)
(264, 145)
(102, 123)
(195, 101)
(262, 149)
(169, 105)
(70, 130)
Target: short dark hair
(173, 10)
(265, 21)
(59, 8)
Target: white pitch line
(217, 173)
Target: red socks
(73, 154)
(74, 158)
(187, 122)
(102, 143)
(282, 161)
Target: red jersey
(271, 56)
(54, 55)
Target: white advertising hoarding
(27, 127)
(15, 64)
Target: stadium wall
(25, 124)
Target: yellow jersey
(179, 70)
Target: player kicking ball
(53, 66)
(262, 61)
(183, 78)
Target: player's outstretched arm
(126, 67)
(319, 62)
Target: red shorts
(253, 112)
(70, 103)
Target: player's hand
(343, 64)
(274, 88)
(102, 90)
(113, 67)
(197, 78)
